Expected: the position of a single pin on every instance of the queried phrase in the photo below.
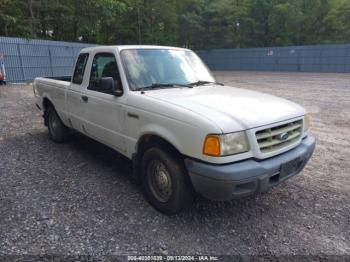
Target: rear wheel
(58, 132)
(165, 180)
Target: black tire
(180, 193)
(58, 132)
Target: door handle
(84, 98)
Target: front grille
(278, 137)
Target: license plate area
(291, 167)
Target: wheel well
(146, 142)
(46, 104)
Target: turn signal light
(307, 122)
(212, 145)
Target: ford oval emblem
(283, 136)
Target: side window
(78, 75)
(103, 66)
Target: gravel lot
(77, 198)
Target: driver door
(103, 111)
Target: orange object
(212, 145)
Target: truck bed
(53, 85)
(60, 78)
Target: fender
(162, 132)
(60, 113)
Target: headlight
(307, 122)
(224, 145)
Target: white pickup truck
(185, 133)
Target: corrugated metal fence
(26, 59)
(316, 58)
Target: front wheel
(58, 132)
(166, 183)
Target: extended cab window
(78, 75)
(103, 66)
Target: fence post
(298, 60)
(20, 61)
(50, 60)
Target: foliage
(198, 24)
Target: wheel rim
(159, 181)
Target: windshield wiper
(201, 82)
(160, 85)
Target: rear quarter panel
(53, 90)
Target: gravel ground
(77, 198)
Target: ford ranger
(184, 132)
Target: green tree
(336, 26)
(198, 24)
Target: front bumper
(224, 182)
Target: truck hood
(231, 109)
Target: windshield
(147, 67)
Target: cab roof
(123, 47)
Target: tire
(161, 169)
(58, 132)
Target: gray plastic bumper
(224, 182)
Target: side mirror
(109, 85)
(118, 92)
